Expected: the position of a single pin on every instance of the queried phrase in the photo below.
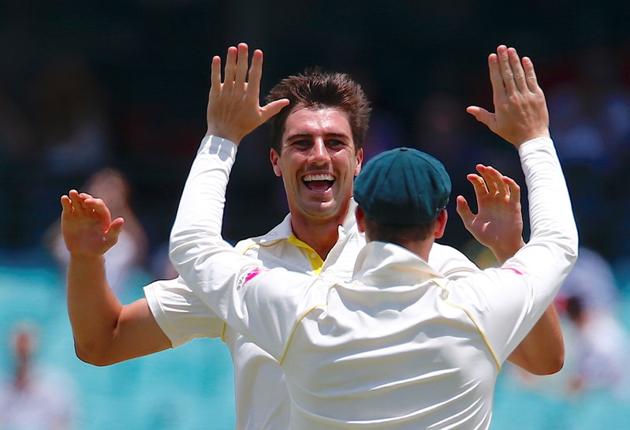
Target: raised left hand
(520, 110)
(498, 223)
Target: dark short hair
(317, 89)
(398, 234)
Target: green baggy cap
(402, 186)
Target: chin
(323, 211)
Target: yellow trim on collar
(313, 257)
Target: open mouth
(318, 182)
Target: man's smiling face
(317, 162)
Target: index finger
(530, 75)
(215, 75)
(255, 74)
(66, 205)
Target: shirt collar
(386, 264)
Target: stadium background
(137, 72)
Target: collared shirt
(262, 400)
(398, 345)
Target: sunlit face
(318, 162)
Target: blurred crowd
(113, 89)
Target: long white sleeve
(200, 209)
(216, 272)
(509, 300)
(551, 216)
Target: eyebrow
(309, 135)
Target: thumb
(464, 212)
(111, 236)
(483, 116)
(273, 108)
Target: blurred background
(110, 97)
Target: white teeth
(319, 177)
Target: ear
(274, 157)
(359, 156)
(360, 215)
(440, 224)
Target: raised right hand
(234, 108)
(87, 226)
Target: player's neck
(421, 247)
(319, 234)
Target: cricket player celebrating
(397, 346)
(318, 152)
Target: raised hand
(498, 223)
(234, 106)
(87, 226)
(519, 102)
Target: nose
(319, 152)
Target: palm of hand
(87, 226)
(84, 233)
(498, 224)
(498, 220)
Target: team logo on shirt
(248, 275)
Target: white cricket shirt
(398, 346)
(262, 400)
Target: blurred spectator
(130, 251)
(69, 114)
(592, 281)
(14, 131)
(34, 398)
(600, 345)
(601, 349)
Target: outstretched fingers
(229, 74)
(517, 70)
(463, 210)
(112, 233)
(99, 210)
(273, 108)
(530, 75)
(514, 189)
(66, 205)
(483, 116)
(495, 180)
(506, 70)
(479, 185)
(215, 76)
(77, 203)
(497, 188)
(498, 89)
(255, 75)
(241, 66)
